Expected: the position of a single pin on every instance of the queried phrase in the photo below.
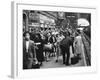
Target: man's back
(66, 42)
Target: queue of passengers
(39, 46)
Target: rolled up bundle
(48, 46)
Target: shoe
(67, 64)
(63, 62)
(56, 60)
(40, 63)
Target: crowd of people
(39, 45)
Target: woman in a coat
(39, 51)
(78, 45)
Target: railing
(87, 48)
(87, 38)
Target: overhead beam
(48, 15)
(51, 14)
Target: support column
(26, 23)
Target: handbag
(74, 59)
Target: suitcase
(74, 60)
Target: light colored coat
(78, 45)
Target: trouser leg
(47, 56)
(30, 62)
(57, 53)
(63, 53)
(63, 58)
(68, 57)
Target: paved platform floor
(53, 64)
